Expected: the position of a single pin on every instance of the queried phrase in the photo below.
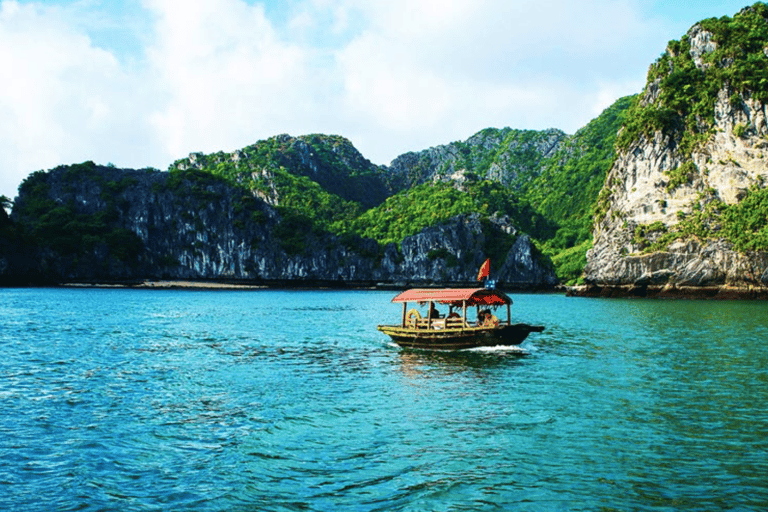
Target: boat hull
(457, 339)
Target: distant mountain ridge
(504, 155)
(330, 161)
(527, 164)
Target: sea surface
(116, 399)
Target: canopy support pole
(405, 305)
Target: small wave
(509, 349)
(331, 309)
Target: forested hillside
(317, 178)
(566, 191)
(544, 184)
(511, 157)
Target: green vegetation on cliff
(321, 179)
(733, 58)
(567, 190)
(410, 211)
(743, 224)
(510, 157)
(718, 56)
(545, 181)
(67, 228)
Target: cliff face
(668, 217)
(106, 224)
(452, 253)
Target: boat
(455, 330)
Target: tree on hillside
(5, 204)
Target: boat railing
(455, 323)
(439, 323)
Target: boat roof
(455, 296)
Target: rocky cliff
(100, 224)
(545, 181)
(683, 209)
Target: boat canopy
(455, 296)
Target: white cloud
(431, 72)
(228, 77)
(62, 100)
(391, 75)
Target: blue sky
(142, 83)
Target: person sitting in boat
(433, 312)
(487, 319)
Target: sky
(143, 83)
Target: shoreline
(191, 284)
(665, 292)
(722, 292)
(182, 284)
(169, 285)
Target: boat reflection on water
(417, 363)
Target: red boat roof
(473, 296)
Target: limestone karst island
(663, 194)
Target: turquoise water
(288, 400)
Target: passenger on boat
(436, 320)
(453, 319)
(487, 319)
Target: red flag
(485, 270)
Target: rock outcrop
(452, 253)
(659, 228)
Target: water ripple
(194, 400)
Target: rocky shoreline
(290, 285)
(669, 292)
(588, 291)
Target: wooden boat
(455, 330)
